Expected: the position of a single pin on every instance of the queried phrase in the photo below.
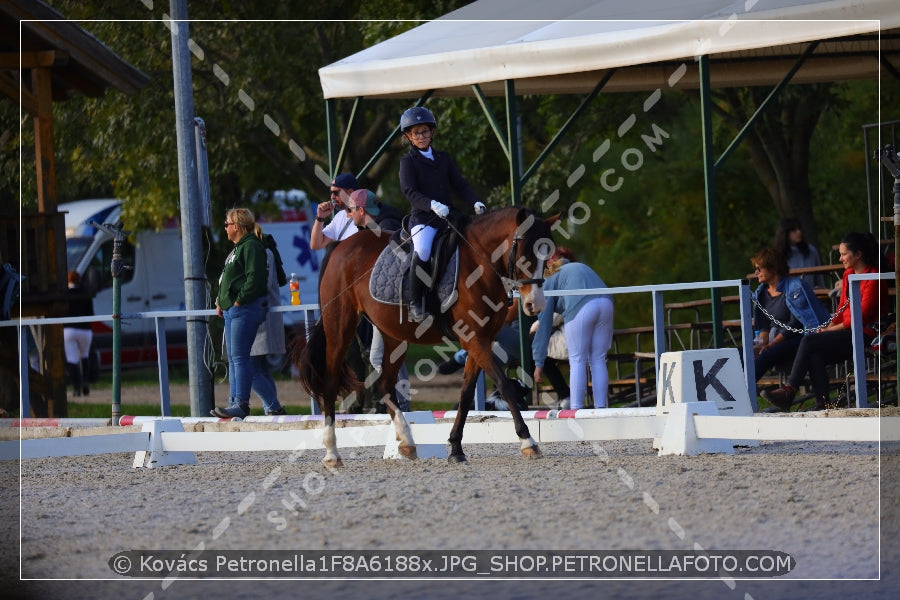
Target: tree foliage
(256, 86)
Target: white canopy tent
(564, 46)
(523, 47)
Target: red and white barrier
(55, 422)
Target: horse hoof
(532, 452)
(334, 463)
(456, 458)
(408, 452)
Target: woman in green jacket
(243, 302)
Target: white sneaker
(564, 404)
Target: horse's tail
(309, 356)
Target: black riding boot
(417, 288)
(74, 372)
(85, 376)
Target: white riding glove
(480, 208)
(441, 210)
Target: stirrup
(414, 312)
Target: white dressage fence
(702, 407)
(690, 429)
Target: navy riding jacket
(423, 180)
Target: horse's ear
(553, 219)
(522, 215)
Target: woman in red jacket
(834, 343)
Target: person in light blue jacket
(588, 327)
(786, 309)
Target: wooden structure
(46, 59)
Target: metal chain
(804, 331)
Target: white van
(156, 280)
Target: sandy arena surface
(818, 502)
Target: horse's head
(532, 246)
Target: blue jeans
(241, 323)
(264, 384)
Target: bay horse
(498, 251)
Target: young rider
(429, 179)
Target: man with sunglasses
(367, 212)
(341, 226)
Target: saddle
(386, 283)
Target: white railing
(659, 331)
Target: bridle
(511, 262)
(539, 281)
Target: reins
(511, 265)
(511, 262)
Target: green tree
(256, 86)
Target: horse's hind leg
(387, 386)
(339, 334)
(466, 398)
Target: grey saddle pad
(390, 271)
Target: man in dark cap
(341, 226)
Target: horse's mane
(497, 213)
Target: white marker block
(158, 456)
(680, 435)
(392, 445)
(703, 376)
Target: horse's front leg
(466, 399)
(509, 391)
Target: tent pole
(512, 139)
(566, 126)
(492, 121)
(331, 132)
(342, 152)
(515, 187)
(764, 105)
(387, 142)
(709, 179)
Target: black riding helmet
(416, 115)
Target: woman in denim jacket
(784, 305)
